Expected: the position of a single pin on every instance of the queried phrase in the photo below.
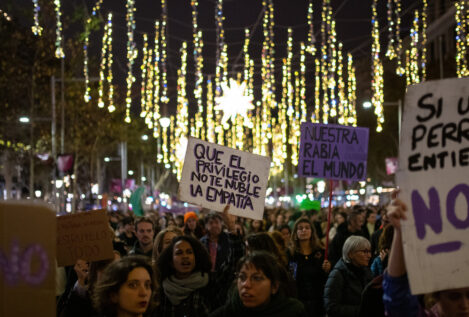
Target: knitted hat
(188, 215)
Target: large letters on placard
(434, 181)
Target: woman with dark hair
(260, 290)
(308, 266)
(183, 275)
(256, 226)
(262, 241)
(126, 288)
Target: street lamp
(24, 119)
(398, 104)
(367, 105)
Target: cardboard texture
(214, 176)
(433, 176)
(333, 151)
(85, 236)
(27, 259)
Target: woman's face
(339, 219)
(256, 224)
(455, 302)
(134, 295)
(183, 259)
(167, 239)
(361, 257)
(285, 234)
(371, 218)
(303, 231)
(254, 288)
(191, 224)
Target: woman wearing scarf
(183, 275)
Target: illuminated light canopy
(234, 102)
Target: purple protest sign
(333, 151)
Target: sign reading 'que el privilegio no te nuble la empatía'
(333, 151)
(214, 176)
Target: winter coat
(344, 287)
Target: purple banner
(333, 151)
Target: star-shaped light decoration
(234, 102)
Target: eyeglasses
(366, 251)
(255, 278)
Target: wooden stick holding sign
(333, 152)
(214, 176)
(329, 213)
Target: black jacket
(344, 287)
(279, 306)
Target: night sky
(352, 24)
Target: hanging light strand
(36, 28)
(377, 71)
(105, 55)
(131, 55)
(95, 9)
(311, 48)
(462, 38)
(164, 51)
(59, 51)
(198, 60)
(156, 81)
(423, 32)
(109, 78)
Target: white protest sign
(434, 180)
(214, 176)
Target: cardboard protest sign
(434, 179)
(27, 259)
(85, 236)
(214, 176)
(333, 151)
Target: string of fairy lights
(269, 123)
(131, 55)
(377, 84)
(36, 28)
(106, 64)
(462, 38)
(86, 43)
(59, 51)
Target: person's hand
(81, 268)
(229, 219)
(396, 211)
(383, 254)
(326, 266)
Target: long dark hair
(164, 263)
(114, 276)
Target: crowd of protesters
(214, 264)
